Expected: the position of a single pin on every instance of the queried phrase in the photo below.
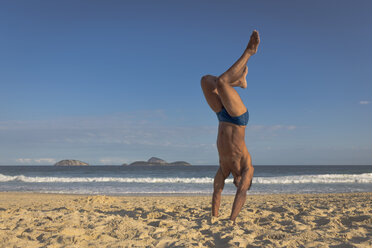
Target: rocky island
(70, 162)
(159, 162)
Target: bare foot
(241, 82)
(244, 80)
(253, 43)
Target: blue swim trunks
(241, 120)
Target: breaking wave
(316, 179)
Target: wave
(325, 178)
(22, 178)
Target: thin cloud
(112, 161)
(292, 127)
(110, 139)
(364, 102)
(24, 160)
(116, 139)
(45, 160)
(36, 161)
(272, 128)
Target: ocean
(154, 180)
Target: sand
(311, 220)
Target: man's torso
(232, 150)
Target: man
(233, 116)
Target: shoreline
(182, 194)
(179, 194)
(267, 220)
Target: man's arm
(218, 184)
(241, 193)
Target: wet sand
(311, 220)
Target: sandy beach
(312, 220)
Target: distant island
(158, 161)
(70, 162)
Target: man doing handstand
(233, 116)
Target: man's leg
(229, 96)
(241, 192)
(209, 86)
(236, 70)
(218, 184)
(241, 82)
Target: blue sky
(109, 82)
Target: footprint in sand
(278, 209)
(321, 221)
(348, 221)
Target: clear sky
(108, 82)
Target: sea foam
(303, 179)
